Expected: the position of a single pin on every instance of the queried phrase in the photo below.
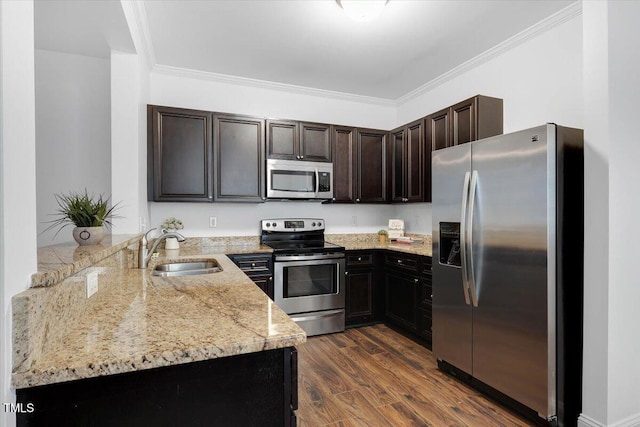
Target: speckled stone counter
(57, 262)
(138, 321)
(354, 242)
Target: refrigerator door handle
(463, 237)
(469, 238)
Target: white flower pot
(86, 236)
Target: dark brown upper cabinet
(371, 173)
(282, 139)
(315, 142)
(239, 146)
(344, 164)
(359, 165)
(472, 119)
(407, 163)
(179, 160)
(293, 140)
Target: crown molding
(568, 13)
(139, 27)
(264, 84)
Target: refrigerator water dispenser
(450, 243)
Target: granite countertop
(355, 242)
(138, 321)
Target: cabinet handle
(301, 157)
(415, 280)
(253, 265)
(357, 200)
(333, 199)
(298, 157)
(431, 296)
(399, 261)
(359, 258)
(346, 273)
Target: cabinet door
(400, 296)
(344, 164)
(315, 142)
(282, 139)
(372, 176)
(415, 162)
(398, 165)
(179, 157)
(359, 305)
(438, 130)
(463, 122)
(239, 167)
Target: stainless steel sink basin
(186, 268)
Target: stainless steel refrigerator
(507, 271)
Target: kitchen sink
(186, 268)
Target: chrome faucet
(144, 255)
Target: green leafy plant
(383, 232)
(82, 210)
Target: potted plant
(382, 235)
(90, 216)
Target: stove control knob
(274, 225)
(319, 224)
(313, 224)
(268, 224)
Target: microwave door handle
(317, 182)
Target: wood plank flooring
(374, 376)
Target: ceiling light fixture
(362, 10)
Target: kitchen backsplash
(240, 219)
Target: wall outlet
(92, 283)
(213, 222)
(354, 220)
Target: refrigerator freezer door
(451, 312)
(513, 225)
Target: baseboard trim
(586, 421)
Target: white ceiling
(309, 43)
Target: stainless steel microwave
(295, 179)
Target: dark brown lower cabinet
(245, 390)
(360, 299)
(259, 268)
(407, 293)
(400, 294)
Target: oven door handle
(314, 257)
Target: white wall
(612, 340)
(73, 132)
(18, 239)
(624, 204)
(540, 81)
(126, 146)
(596, 254)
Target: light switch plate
(92, 283)
(213, 222)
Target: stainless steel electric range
(309, 273)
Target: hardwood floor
(374, 376)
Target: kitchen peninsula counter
(137, 321)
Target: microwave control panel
(324, 182)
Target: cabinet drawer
(357, 259)
(250, 265)
(401, 262)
